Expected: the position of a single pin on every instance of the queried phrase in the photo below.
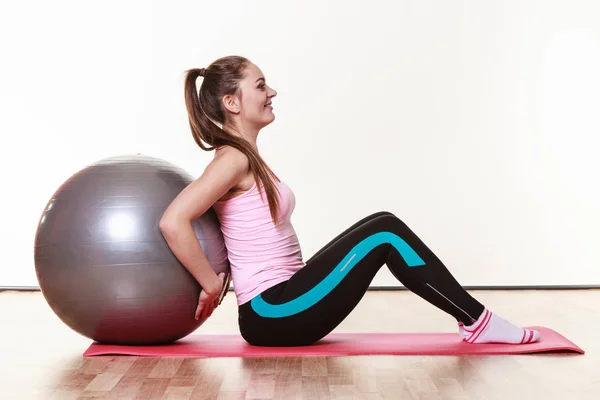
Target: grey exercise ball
(102, 263)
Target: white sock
(490, 328)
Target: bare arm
(224, 172)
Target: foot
(490, 328)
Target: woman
(282, 300)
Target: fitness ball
(102, 263)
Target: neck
(249, 134)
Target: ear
(231, 103)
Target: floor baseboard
(398, 288)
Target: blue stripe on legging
(313, 296)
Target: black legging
(317, 298)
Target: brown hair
(205, 111)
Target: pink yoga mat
(339, 344)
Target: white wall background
(475, 122)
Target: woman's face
(255, 109)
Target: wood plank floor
(41, 358)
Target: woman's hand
(210, 298)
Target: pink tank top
(261, 255)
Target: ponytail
(207, 118)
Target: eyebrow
(263, 79)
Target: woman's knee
(390, 222)
(384, 212)
(380, 215)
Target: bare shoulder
(228, 167)
(231, 155)
(223, 173)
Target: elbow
(170, 226)
(166, 226)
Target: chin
(270, 120)
(265, 121)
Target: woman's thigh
(319, 297)
(350, 229)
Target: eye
(261, 86)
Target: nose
(273, 93)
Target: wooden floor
(42, 359)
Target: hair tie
(202, 71)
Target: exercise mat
(339, 344)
